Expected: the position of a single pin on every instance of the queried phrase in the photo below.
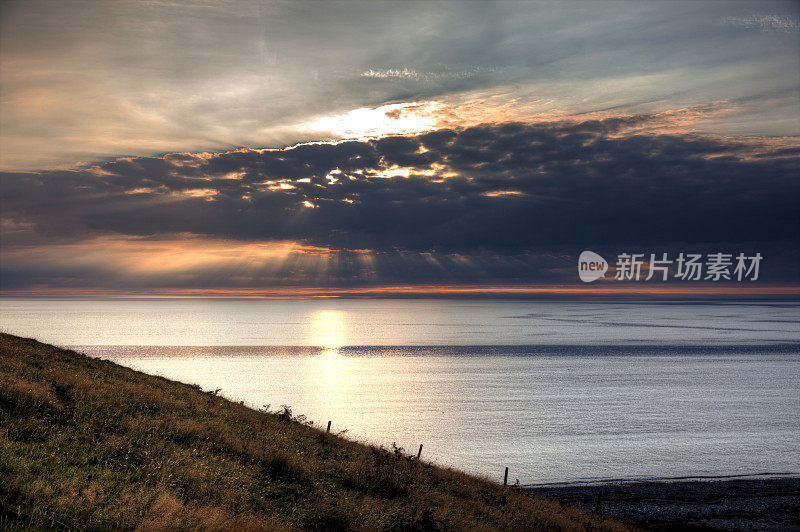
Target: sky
(360, 148)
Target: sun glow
(393, 119)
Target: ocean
(557, 391)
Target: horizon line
(413, 291)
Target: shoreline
(682, 478)
(760, 503)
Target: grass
(89, 444)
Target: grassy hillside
(86, 443)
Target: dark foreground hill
(85, 443)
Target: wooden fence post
(329, 426)
(419, 453)
(505, 478)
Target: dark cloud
(505, 195)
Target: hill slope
(85, 443)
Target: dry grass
(86, 443)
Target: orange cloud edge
(417, 291)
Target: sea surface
(558, 391)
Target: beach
(771, 503)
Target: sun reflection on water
(333, 383)
(328, 330)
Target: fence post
(329, 426)
(419, 453)
(505, 478)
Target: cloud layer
(496, 202)
(84, 80)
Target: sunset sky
(220, 148)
